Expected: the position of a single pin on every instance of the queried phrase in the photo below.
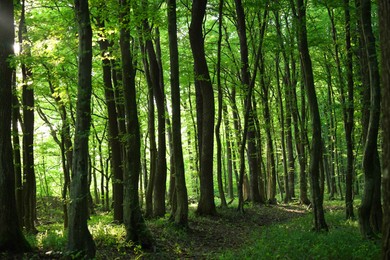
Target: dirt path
(211, 235)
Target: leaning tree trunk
(206, 204)
(80, 240)
(316, 146)
(384, 25)
(11, 236)
(370, 210)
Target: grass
(266, 232)
(296, 240)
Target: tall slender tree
(181, 209)
(113, 128)
(11, 236)
(206, 204)
(220, 104)
(245, 81)
(316, 145)
(370, 210)
(384, 25)
(29, 183)
(136, 229)
(80, 240)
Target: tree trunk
(181, 212)
(229, 152)
(152, 138)
(349, 121)
(136, 229)
(246, 81)
(384, 25)
(331, 135)
(29, 183)
(316, 146)
(16, 154)
(79, 239)
(370, 210)
(287, 80)
(11, 236)
(158, 91)
(282, 132)
(113, 129)
(206, 204)
(220, 104)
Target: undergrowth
(295, 239)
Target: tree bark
(206, 204)
(220, 104)
(11, 236)
(229, 152)
(16, 153)
(136, 229)
(384, 25)
(349, 120)
(113, 129)
(181, 212)
(29, 183)
(79, 239)
(370, 210)
(245, 81)
(316, 146)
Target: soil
(205, 238)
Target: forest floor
(206, 237)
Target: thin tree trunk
(349, 122)
(229, 152)
(219, 117)
(29, 182)
(114, 142)
(136, 229)
(316, 146)
(181, 212)
(80, 240)
(282, 132)
(16, 153)
(384, 25)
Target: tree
(316, 145)
(136, 229)
(181, 212)
(384, 25)
(29, 183)
(245, 81)
(11, 236)
(206, 204)
(370, 210)
(155, 72)
(113, 128)
(349, 114)
(79, 239)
